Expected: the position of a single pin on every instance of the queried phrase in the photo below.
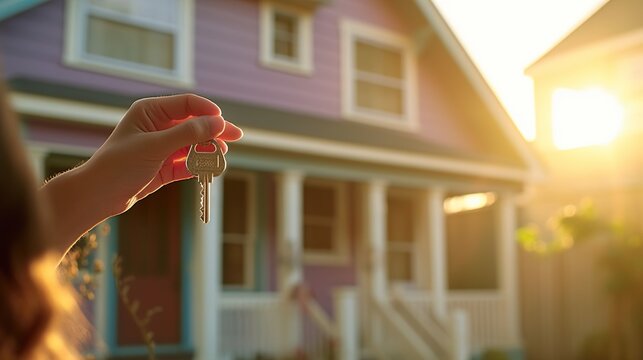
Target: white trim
(67, 109)
(303, 64)
(351, 30)
(181, 76)
(106, 115)
(535, 170)
(340, 253)
(250, 236)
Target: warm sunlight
(585, 117)
(468, 202)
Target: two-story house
(369, 210)
(589, 111)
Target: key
(205, 165)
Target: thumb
(194, 130)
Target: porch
(406, 300)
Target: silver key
(205, 165)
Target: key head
(206, 164)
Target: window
(401, 237)
(472, 251)
(324, 222)
(286, 38)
(145, 39)
(377, 76)
(237, 266)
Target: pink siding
(226, 62)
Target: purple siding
(226, 62)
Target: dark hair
(30, 294)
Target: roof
(613, 19)
(466, 64)
(9, 8)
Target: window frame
(339, 255)
(250, 241)
(75, 55)
(303, 65)
(350, 32)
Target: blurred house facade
(563, 296)
(369, 211)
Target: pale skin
(146, 150)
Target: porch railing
(275, 325)
(487, 312)
(256, 324)
(391, 336)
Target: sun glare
(585, 117)
(468, 202)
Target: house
(368, 212)
(599, 66)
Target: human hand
(147, 149)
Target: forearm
(77, 202)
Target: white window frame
(182, 75)
(413, 245)
(352, 30)
(339, 255)
(249, 238)
(303, 65)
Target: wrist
(76, 204)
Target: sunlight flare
(585, 117)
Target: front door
(149, 243)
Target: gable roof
(462, 59)
(614, 19)
(9, 8)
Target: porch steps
(432, 330)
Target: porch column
(207, 287)
(434, 200)
(375, 231)
(508, 263)
(289, 217)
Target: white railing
(487, 312)
(392, 338)
(257, 323)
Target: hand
(148, 147)
(146, 150)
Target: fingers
(173, 169)
(161, 111)
(193, 131)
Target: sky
(503, 37)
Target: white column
(434, 200)
(374, 209)
(347, 323)
(290, 192)
(508, 263)
(207, 285)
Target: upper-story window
(286, 37)
(377, 76)
(150, 40)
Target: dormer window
(286, 37)
(149, 40)
(377, 76)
